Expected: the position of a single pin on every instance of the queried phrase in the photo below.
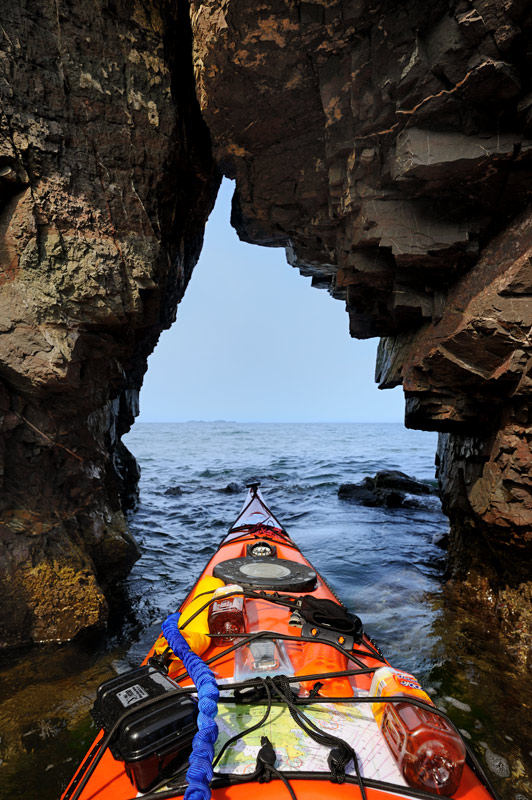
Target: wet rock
(361, 492)
(174, 491)
(388, 488)
(441, 540)
(393, 479)
(128, 470)
(234, 488)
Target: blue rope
(200, 770)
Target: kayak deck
(293, 669)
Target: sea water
(380, 562)
(385, 564)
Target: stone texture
(389, 488)
(469, 377)
(388, 149)
(106, 180)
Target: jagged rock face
(389, 149)
(470, 375)
(106, 180)
(395, 138)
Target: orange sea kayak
(265, 685)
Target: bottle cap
(231, 588)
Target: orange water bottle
(321, 658)
(428, 751)
(227, 617)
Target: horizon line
(270, 422)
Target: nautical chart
(295, 750)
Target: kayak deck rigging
(294, 703)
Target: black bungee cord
(81, 779)
(226, 779)
(93, 757)
(277, 599)
(221, 780)
(255, 727)
(339, 756)
(285, 637)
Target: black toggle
(338, 760)
(266, 758)
(314, 692)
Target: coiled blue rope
(200, 770)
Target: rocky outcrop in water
(388, 488)
(106, 180)
(388, 149)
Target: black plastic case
(152, 741)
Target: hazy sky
(253, 341)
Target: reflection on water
(384, 565)
(489, 701)
(44, 726)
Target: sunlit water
(384, 564)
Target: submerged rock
(497, 764)
(174, 491)
(388, 488)
(234, 488)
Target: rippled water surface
(384, 564)
(378, 561)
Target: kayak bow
(264, 682)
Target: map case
(295, 750)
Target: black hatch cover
(267, 573)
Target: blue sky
(254, 342)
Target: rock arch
(387, 148)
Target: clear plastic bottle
(227, 616)
(262, 658)
(428, 751)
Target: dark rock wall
(106, 180)
(388, 148)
